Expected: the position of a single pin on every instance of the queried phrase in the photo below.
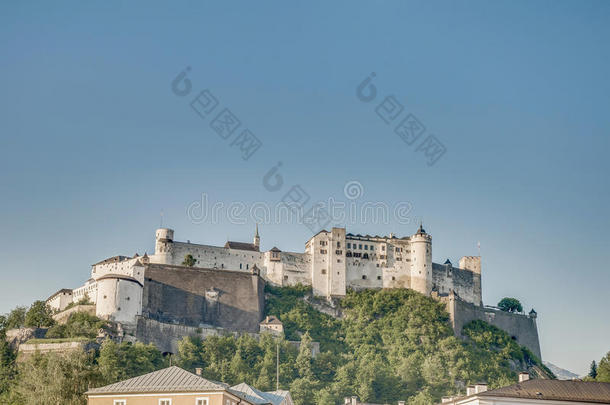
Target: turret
(257, 239)
(473, 264)
(421, 262)
(164, 239)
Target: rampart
(203, 297)
(521, 327)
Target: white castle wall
(330, 266)
(60, 300)
(119, 299)
(332, 262)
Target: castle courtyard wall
(198, 297)
(519, 326)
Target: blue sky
(95, 144)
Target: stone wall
(62, 317)
(203, 297)
(167, 336)
(521, 327)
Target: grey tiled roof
(241, 246)
(556, 390)
(171, 379)
(113, 259)
(255, 396)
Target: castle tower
(257, 239)
(473, 263)
(421, 262)
(164, 240)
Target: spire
(257, 239)
(421, 230)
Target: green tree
(189, 261)
(593, 370)
(510, 305)
(56, 378)
(603, 369)
(16, 318)
(120, 361)
(39, 315)
(7, 366)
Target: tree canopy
(389, 345)
(189, 261)
(510, 305)
(39, 315)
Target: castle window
(372, 247)
(364, 277)
(393, 278)
(285, 277)
(127, 298)
(247, 266)
(383, 248)
(338, 260)
(338, 244)
(240, 266)
(323, 271)
(378, 277)
(338, 252)
(359, 246)
(377, 264)
(349, 245)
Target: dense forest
(388, 345)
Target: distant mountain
(561, 373)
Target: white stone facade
(333, 261)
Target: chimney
(524, 376)
(470, 390)
(198, 371)
(480, 387)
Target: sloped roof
(241, 246)
(255, 396)
(271, 320)
(120, 277)
(63, 290)
(555, 390)
(171, 379)
(113, 259)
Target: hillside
(383, 346)
(398, 344)
(561, 373)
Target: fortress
(223, 286)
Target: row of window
(168, 401)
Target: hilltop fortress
(223, 286)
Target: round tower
(164, 239)
(421, 262)
(119, 298)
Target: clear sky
(95, 144)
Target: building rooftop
(255, 396)
(63, 290)
(171, 379)
(550, 390)
(113, 259)
(241, 246)
(271, 320)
